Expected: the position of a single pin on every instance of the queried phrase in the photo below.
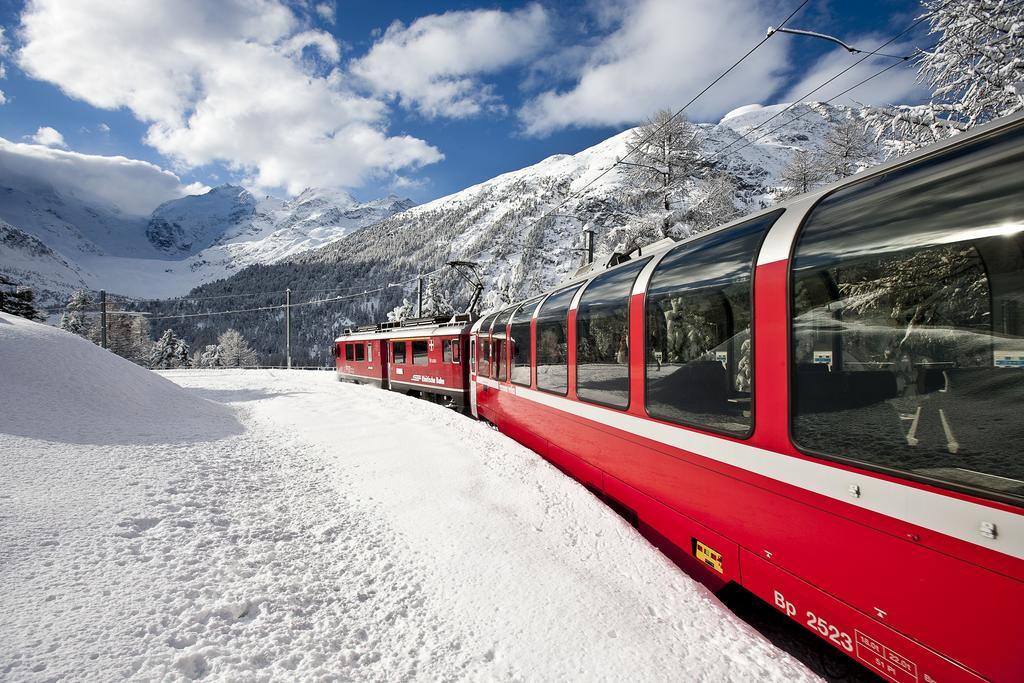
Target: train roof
(412, 327)
(802, 202)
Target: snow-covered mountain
(501, 225)
(183, 243)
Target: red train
(820, 402)
(424, 357)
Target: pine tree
(975, 70)
(18, 301)
(74, 319)
(847, 146)
(803, 173)
(667, 155)
(401, 312)
(170, 351)
(712, 203)
(434, 300)
(234, 350)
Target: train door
(472, 375)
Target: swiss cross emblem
(430, 344)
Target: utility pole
(419, 298)
(288, 325)
(103, 318)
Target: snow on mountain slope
(29, 262)
(185, 242)
(498, 224)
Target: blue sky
(417, 98)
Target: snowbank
(56, 386)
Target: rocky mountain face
(501, 225)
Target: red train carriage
(822, 402)
(424, 357)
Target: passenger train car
(424, 357)
(821, 402)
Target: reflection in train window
(908, 321)
(519, 354)
(553, 342)
(699, 351)
(602, 337)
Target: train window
(519, 343)
(553, 342)
(360, 352)
(908, 321)
(472, 354)
(420, 350)
(446, 348)
(456, 350)
(398, 351)
(499, 365)
(483, 367)
(698, 356)
(349, 353)
(369, 352)
(602, 337)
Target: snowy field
(257, 525)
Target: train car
(424, 357)
(822, 402)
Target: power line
(799, 100)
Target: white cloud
(659, 54)
(326, 11)
(48, 137)
(136, 187)
(432, 65)
(4, 46)
(896, 86)
(3, 70)
(3, 98)
(103, 128)
(243, 82)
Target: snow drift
(58, 387)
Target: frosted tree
(667, 155)
(434, 300)
(74, 319)
(803, 173)
(847, 146)
(19, 301)
(712, 203)
(401, 312)
(209, 357)
(975, 70)
(170, 351)
(234, 350)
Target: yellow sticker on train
(707, 555)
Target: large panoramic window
(908, 320)
(602, 337)
(499, 345)
(519, 340)
(699, 347)
(553, 342)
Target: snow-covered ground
(254, 525)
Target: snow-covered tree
(401, 312)
(234, 350)
(18, 301)
(74, 318)
(975, 70)
(803, 173)
(209, 357)
(712, 203)
(434, 300)
(127, 334)
(170, 351)
(847, 146)
(667, 155)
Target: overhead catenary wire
(846, 70)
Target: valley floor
(317, 530)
